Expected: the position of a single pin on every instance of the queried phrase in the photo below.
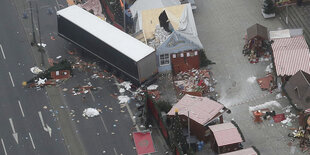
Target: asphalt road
(21, 129)
(109, 133)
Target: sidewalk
(221, 26)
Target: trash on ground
(152, 87)
(35, 70)
(90, 112)
(123, 99)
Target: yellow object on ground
(24, 83)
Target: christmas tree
(177, 129)
(269, 7)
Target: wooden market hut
(256, 35)
(202, 112)
(226, 137)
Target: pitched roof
(226, 133)
(257, 30)
(247, 151)
(291, 55)
(201, 109)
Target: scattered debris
(194, 82)
(58, 57)
(126, 84)
(152, 87)
(123, 99)
(278, 96)
(35, 70)
(90, 112)
(269, 68)
(122, 90)
(42, 44)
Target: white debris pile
(41, 81)
(35, 70)
(287, 108)
(123, 99)
(278, 96)
(122, 90)
(152, 87)
(269, 68)
(289, 119)
(270, 104)
(251, 79)
(160, 36)
(126, 84)
(90, 112)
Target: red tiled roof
(248, 151)
(201, 109)
(291, 55)
(225, 134)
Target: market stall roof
(140, 5)
(286, 33)
(247, 151)
(201, 109)
(291, 54)
(129, 46)
(226, 133)
(301, 81)
(257, 30)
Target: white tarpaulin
(90, 112)
(35, 70)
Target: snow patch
(269, 104)
(251, 79)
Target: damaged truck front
(128, 56)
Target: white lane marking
(92, 96)
(57, 3)
(15, 135)
(21, 108)
(34, 147)
(2, 52)
(105, 127)
(130, 112)
(4, 149)
(114, 151)
(11, 79)
(45, 126)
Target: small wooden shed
(226, 137)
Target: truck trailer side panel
(97, 47)
(147, 67)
